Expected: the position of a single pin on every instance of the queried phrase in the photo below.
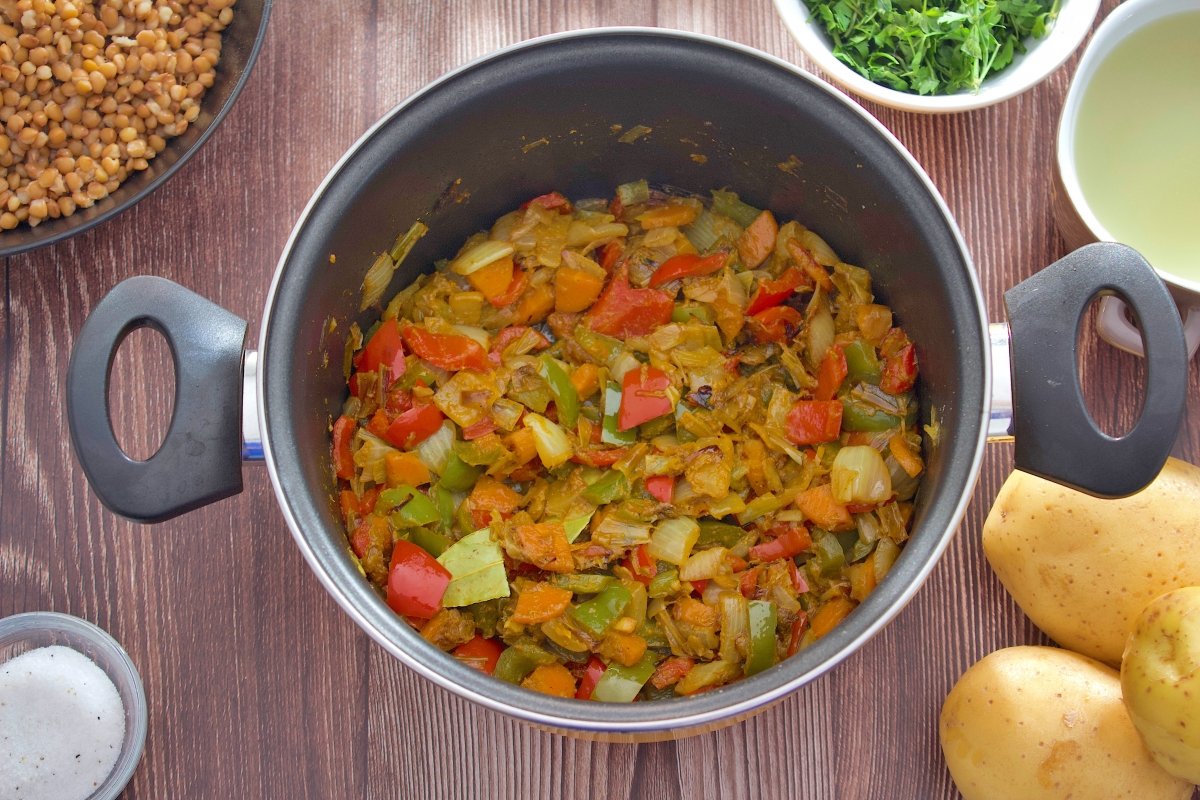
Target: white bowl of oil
(1128, 150)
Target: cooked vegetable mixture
(628, 448)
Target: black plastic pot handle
(1056, 437)
(199, 461)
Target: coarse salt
(61, 725)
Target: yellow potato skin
(1038, 723)
(1160, 681)
(1083, 568)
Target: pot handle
(1056, 437)
(199, 461)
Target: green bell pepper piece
(581, 582)
(458, 475)
(621, 684)
(446, 504)
(702, 313)
(609, 433)
(859, 418)
(431, 542)
(597, 345)
(602, 610)
(513, 665)
(393, 498)
(418, 511)
(566, 399)
(828, 558)
(763, 619)
(665, 582)
(861, 363)
(722, 533)
(611, 487)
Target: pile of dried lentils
(90, 92)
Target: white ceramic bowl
(22, 632)
(1026, 71)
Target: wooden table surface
(259, 685)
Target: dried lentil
(90, 92)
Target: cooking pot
(555, 114)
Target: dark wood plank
(259, 685)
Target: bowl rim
(184, 157)
(1125, 20)
(1028, 69)
(677, 717)
(135, 705)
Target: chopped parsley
(928, 49)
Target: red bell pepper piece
(397, 401)
(416, 581)
(687, 265)
(698, 586)
(661, 487)
(671, 671)
(450, 351)
(384, 348)
(343, 459)
(480, 653)
(771, 293)
(814, 421)
(623, 311)
(611, 253)
(749, 581)
(591, 676)
(550, 200)
(776, 324)
(900, 371)
(479, 429)
(600, 458)
(643, 397)
(798, 581)
(414, 426)
(641, 564)
(831, 373)
(798, 629)
(520, 282)
(792, 541)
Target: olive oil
(1137, 143)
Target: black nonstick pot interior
(550, 115)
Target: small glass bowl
(23, 632)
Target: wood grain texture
(259, 686)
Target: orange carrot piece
(554, 679)
(575, 289)
(626, 649)
(758, 240)
(522, 443)
(666, 216)
(586, 380)
(830, 614)
(908, 460)
(819, 505)
(671, 671)
(539, 603)
(806, 262)
(494, 279)
(535, 305)
(405, 467)
(545, 545)
(490, 495)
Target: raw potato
(1083, 568)
(1039, 722)
(1160, 680)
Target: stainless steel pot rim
(683, 713)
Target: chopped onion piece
(553, 446)
(480, 255)
(435, 451)
(673, 539)
(859, 475)
(704, 565)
